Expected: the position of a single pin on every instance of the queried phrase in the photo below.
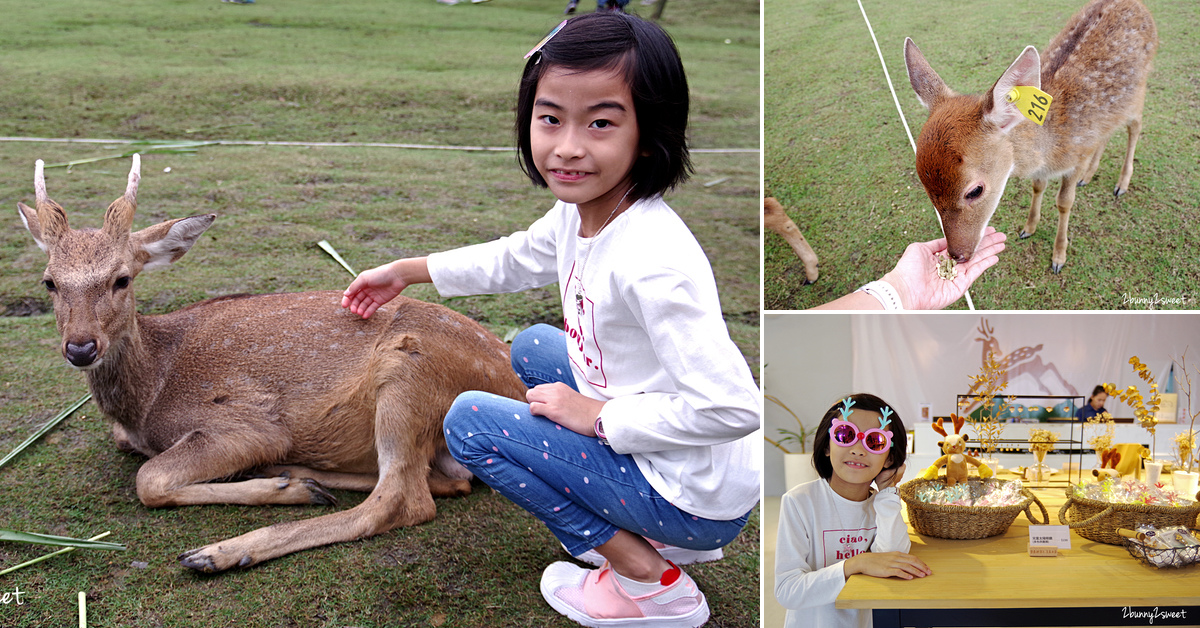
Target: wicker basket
(1163, 558)
(964, 522)
(1098, 521)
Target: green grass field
(836, 155)
(409, 71)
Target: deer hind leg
(1066, 198)
(186, 473)
(405, 442)
(1035, 209)
(1093, 165)
(1135, 131)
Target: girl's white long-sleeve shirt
(645, 334)
(818, 531)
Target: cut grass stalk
(46, 428)
(155, 146)
(89, 543)
(328, 248)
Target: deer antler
(937, 427)
(118, 220)
(958, 422)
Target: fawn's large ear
(930, 87)
(166, 242)
(1026, 70)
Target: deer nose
(960, 258)
(81, 355)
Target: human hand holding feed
(561, 404)
(372, 288)
(916, 279)
(886, 565)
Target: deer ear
(1026, 70)
(29, 217)
(930, 87)
(166, 242)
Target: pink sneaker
(677, 555)
(594, 598)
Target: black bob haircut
(862, 401)
(647, 57)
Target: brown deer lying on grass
(285, 385)
(1095, 70)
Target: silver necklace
(583, 264)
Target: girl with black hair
(837, 526)
(634, 446)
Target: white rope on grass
(895, 99)
(73, 140)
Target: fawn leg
(182, 475)
(1066, 198)
(1035, 209)
(1135, 131)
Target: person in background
(1094, 405)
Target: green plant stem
(46, 428)
(51, 555)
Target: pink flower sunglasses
(875, 440)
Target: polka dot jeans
(581, 489)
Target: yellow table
(1093, 584)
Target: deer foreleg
(184, 474)
(1035, 209)
(1066, 198)
(1093, 165)
(357, 482)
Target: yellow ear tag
(1031, 102)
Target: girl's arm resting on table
(891, 533)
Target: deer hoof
(317, 493)
(193, 559)
(1118, 192)
(1024, 235)
(1057, 268)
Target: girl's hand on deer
(915, 276)
(886, 565)
(561, 404)
(889, 477)
(373, 288)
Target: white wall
(806, 365)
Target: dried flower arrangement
(1143, 409)
(991, 381)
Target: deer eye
(975, 193)
(49, 283)
(121, 283)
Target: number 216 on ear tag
(1031, 102)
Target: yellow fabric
(931, 473)
(985, 471)
(1131, 457)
